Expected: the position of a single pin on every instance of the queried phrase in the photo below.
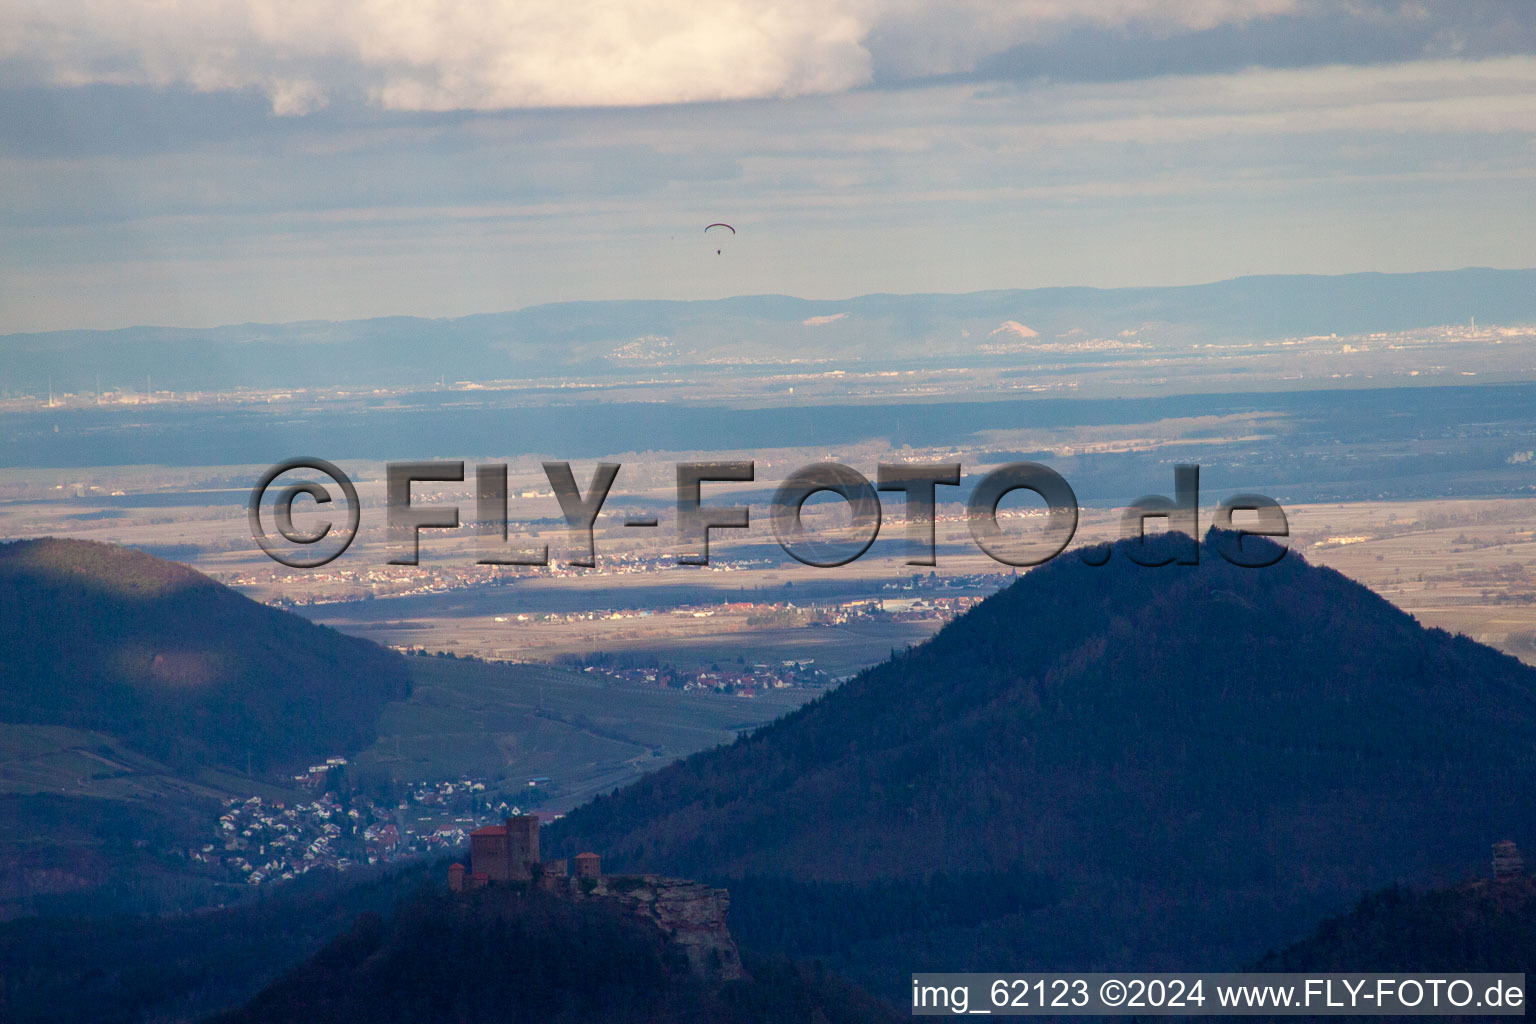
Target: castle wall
(489, 855)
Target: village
(335, 585)
(260, 841)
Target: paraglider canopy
(719, 224)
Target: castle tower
(587, 865)
(523, 842)
(456, 876)
(507, 852)
(1507, 862)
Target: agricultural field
(584, 732)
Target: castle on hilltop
(690, 915)
(510, 853)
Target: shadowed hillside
(181, 967)
(493, 957)
(1479, 926)
(1205, 760)
(179, 667)
(1484, 925)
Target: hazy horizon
(827, 299)
(191, 167)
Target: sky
(183, 163)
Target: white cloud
(495, 54)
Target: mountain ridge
(587, 337)
(770, 301)
(1204, 760)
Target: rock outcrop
(691, 915)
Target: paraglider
(719, 224)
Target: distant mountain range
(623, 337)
(1198, 762)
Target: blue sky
(176, 162)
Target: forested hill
(1484, 925)
(490, 956)
(178, 666)
(1206, 759)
